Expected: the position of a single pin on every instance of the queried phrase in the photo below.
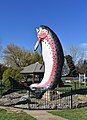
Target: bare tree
(82, 67)
(1, 52)
(76, 52)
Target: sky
(19, 19)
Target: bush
(12, 73)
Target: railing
(65, 97)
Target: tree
(76, 52)
(73, 71)
(36, 57)
(82, 67)
(14, 73)
(16, 57)
(2, 69)
(1, 53)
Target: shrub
(12, 73)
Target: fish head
(42, 34)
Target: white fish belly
(48, 59)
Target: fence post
(1, 90)
(75, 85)
(28, 99)
(71, 99)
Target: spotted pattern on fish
(53, 57)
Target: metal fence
(51, 100)
(65, 97)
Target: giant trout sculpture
(53, 58)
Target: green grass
(9, 115)
(73, 114)
(73, 85)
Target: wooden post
(71, 99)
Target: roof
(33, 68)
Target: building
(33, 72)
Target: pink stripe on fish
(54, 64)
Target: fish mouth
(42, 34)
(37, 44)
(38, 41)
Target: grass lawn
(9, 115)
(72, 114)
(73, 85)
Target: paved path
(38, 114)
(43, 115)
